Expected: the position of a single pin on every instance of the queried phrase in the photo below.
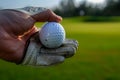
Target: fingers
(66, 51)
(71, 42)
(47, 60)
(53, 17)
(47, 15)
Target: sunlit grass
(97, 58)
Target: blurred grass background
(98, 56)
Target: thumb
(47, 15)
(28, 34)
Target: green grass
(98, 56)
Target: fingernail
(60, 18)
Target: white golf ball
(52, 35)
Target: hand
(38, 55)
(16, 27)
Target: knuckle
(71, 51)
(49, 11)
(75, 44)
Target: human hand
(16, 27)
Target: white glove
(32, 10)
(38, 55)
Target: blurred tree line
(68, 8)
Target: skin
(16, 28)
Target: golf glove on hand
(32, 10)
(38, 55)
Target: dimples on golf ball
(52, 35)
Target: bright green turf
(98, 56)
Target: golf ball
(52, 35)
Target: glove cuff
(31, 52)
(24, 53)
(30, 45)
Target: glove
(32, 10)
(38, 55)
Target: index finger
(46, 15)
